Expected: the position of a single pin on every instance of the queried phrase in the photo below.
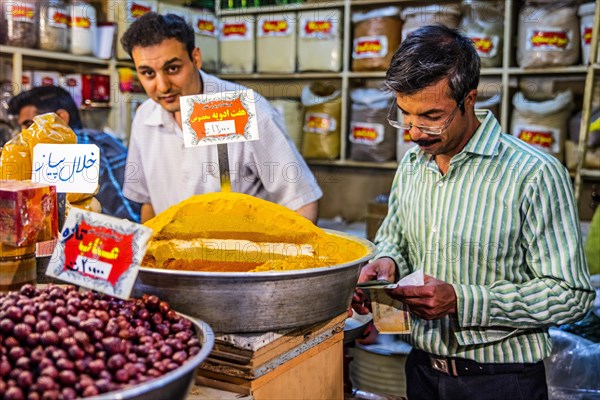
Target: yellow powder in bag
(48, 128)
(15, 160)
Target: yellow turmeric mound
(236, 232)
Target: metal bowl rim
(274, 274)
(188, 367)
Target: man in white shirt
(162, 171)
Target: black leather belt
(452, 366)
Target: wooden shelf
(33, 53)
(575, 69)
(590, 173)
(293, 7)
(349, 163)
(282, 76)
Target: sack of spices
(276, 42)
(206, 29)
(320, 40)
(53, 25)
(417, 17)
(371, 137)
(125, 12)
(291, 110)
(586, 13)
(483, 22)
(19, 23)
(376, 37)
(322, 115)
(236, 44)
(542, 124)
(548, 34)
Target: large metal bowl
(174, 385)
(239, 302)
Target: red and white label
(319, 123)
(549, 39)
(99, 252)
(57, 18)
(136, 9)
(236, 31)
(366, 133)
(205, 25)
(370, 47)
(486, 46)
(274, 28)
(20, 11)
(322, 29)
(542, 137)
(587, 34)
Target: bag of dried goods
(15, 160)
(483, 22)
(83, 22)
(320, 40)
(206, 28)
(291, 110)
(548, 34)
(416, 17)
(276, 42)
(19, 23)
(542, 124)
(125, 12)
(371, 137)
(376, 37)
(586, 13)
(236, 44)
(491, 103)
(54, 28)
(322, 114)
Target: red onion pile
(58, 343)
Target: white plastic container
(276, 43)
(586, 15)
(236, 44)
(206, 29)
(83, 28)
(320, 40)
(124, 12)
(416, 17)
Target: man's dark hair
(47, 99)
(430, 54)
(152, 28)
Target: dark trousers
(496, 381)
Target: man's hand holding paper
(433, 299)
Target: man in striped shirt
(492, 223)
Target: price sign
(219, 118)
(99, 252)
(72, 168)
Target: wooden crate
(307, 364)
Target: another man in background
(113, 154)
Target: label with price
(99, 252)
(217, 118)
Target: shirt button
(440, 183)
(434, 228)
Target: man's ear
(471, 97)
(63, 114)
(197, 57)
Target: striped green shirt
(500, 226)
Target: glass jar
(83, 28)
(17, 267)
(54, 28)
(19, 24)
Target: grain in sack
(322, 115)
(542, 124)
(483, 22)
(206, 30)
(377, 35)
(320, 40)
(548, 34)
(276, 43)
(236, 44)
(371, 137)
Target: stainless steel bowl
(174, 385)
(238, 302)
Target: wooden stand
(304, 363)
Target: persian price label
(99, 252)
(542, 137)
(274, 28)
(486, 46)
(217, 118)
(370, 47)
(206, 25)
(366, 133)
(321, 29)
(232, 31)
(548, 39)
(320, 123)
(72, 168)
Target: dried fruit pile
(58, 343)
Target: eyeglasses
(428, 130)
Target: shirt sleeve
(560, 291)
(389, 239)
(284, 173)
(134, 183)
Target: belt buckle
(444, 365)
